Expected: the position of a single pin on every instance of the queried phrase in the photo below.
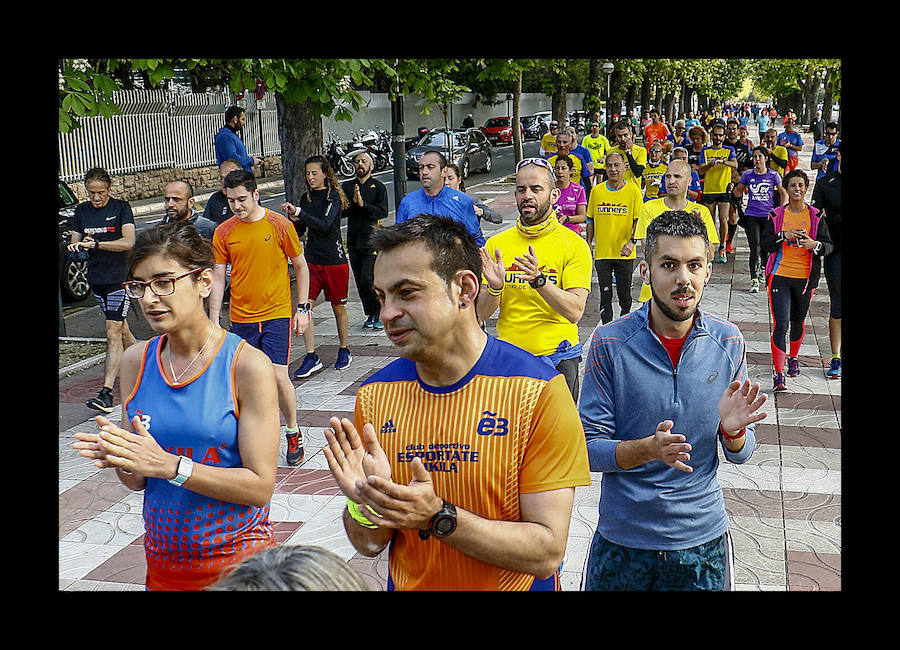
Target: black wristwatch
(303, 307)
(538, 282)
(442, 524)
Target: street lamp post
(607, 69)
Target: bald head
(179, 200)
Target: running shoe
(754, 286)
(793, 367)
(834, 372)
(368, 323)
(103, 401)
(295, 451)
(311, 363)
(377, 325)
(722, 258)
(729, 247)
(778, 382)
(344, 358)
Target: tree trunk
(645, 96)
(300, 132)
(669, 107)
(592, 96)
(828, 101)
(517, 132)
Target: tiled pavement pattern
(784, 504)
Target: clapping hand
(493, 269)
(352, 459)
(739, 405)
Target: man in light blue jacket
(229, 144)
(648, 405)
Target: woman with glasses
(200, 423)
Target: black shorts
(709, 199)
(112, 300)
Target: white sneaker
(754, 286)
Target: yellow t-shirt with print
(548, 143)
(575, 175)
(598, 147)
(613, 213)
(782, 153)
(525, 319)
(653, 179)
(656, 207)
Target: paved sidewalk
(784, 504)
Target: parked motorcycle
(377, 144)
(340, 161)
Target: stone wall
(152, 183)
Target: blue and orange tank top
(190, 538)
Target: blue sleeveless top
(189, 538)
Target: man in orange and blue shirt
(470, 447)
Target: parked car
(499, 129)
(471, 150)
(546, 117)
(534, 126)
(72, 275)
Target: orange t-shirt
(258, 253)
(655, 132)
(508, 428)
(795, 261)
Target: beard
(541, 212)
(673, 312)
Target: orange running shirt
(795, 261)
(655, 132)
(258, 253)
(508, 427)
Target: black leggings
(789, 306)
(833, 278)
(753, 227)
(362, 261)
(623, 270)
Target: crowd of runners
(463, 456)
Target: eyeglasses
(540, 162)
(164, 286)
(832, 134)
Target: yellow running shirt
(598, 147)
(656, 207)
(653, 179)
(718, 176)
(613, 213)
(548, 143)
(525, 317)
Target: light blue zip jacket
(630, 387)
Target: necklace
(177, 378)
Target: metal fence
(159, 129)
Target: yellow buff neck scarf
(533, 232)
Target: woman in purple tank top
(763, 187)
(200, 424)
